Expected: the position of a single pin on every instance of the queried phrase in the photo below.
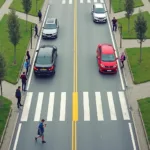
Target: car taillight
(35, 68)
(51, 68)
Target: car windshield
(108, 57)
(99, 10)
(50, 26)
(43, 60)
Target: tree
(129, 8)
(2, 70)
(27, 4)
(14, 30)
(140, 26)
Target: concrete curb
(140, 114)
(5, 128)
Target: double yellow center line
(75, 87)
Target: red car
(106, 58)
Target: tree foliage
(13, 30)
(129, 8)
(27, 4)
(140, 26)
(2, 70)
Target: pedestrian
(41, 131)
(23, 80)
(26, 65)
(122, 59)
(36, 31)
(114, 23)
(40, 15)
(18, 96)
(28, 56)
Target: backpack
(16, 94)
(124, 57)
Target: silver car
(50, 29)
(99, 13)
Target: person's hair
(42, 120)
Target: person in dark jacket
(114, 23)
(36, 31)
(26, 65)
(28, 56)
(40, 16)
(18, 96)
(24, 80)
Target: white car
(99, 13)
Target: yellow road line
(75, 106)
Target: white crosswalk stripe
(50, 106)
(70, 1)
(97, 100)
(95, 1)
(63, 1)
(81, 1)
(111, 106)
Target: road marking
(88, 1)
(70, 1)
(38, 44)
(26, 107)
(124, 106)
(95, 1)
(75, 106)
(111, 106)
(63, 107)
(101, 1)
(132, 136)
(50, 106)
(81, 1)
(113, 42)
(63, 1)
(38, 106)
(17, 136)
(99, 106)
(86, 106)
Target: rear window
(43, 60)
(50, 26)
(108, 57)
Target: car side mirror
(37, 50)
(106, 11)
(98, 57)
(116, 58)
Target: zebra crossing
(82, 1)
(53, 101)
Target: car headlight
(43, 34)
(54, 33)
(102, 66)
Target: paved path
(9, 89)
(134, 92)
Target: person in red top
(24, 80)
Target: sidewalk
(9, 89)
(134, 92)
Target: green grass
(1, 3)
(7, 48)
(17, 5)
(5, 106)
(118, 5)
(132, 34)
(140, 71)
(144, 105)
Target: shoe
(21, 105)
(35, 138)
(43, 141)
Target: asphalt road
(103, 120)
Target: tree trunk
(26, 21)
(1, 88)
(128, 24)
(140, 51)
(14, 54)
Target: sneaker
(43, 141)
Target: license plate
(43, 69)
(108, 70)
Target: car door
(99, 55)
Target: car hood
(99, 15)
(109, 63)
(49, 31)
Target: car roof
(50, 20)
(99, 5)
(45, 51)
(107, 49)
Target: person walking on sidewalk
(28, 56)
(18, 96)
(41, 131)
(122, 59)
(24, 80)
(26, 65)
(114, 24)
(36, 31)
(40, 15)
